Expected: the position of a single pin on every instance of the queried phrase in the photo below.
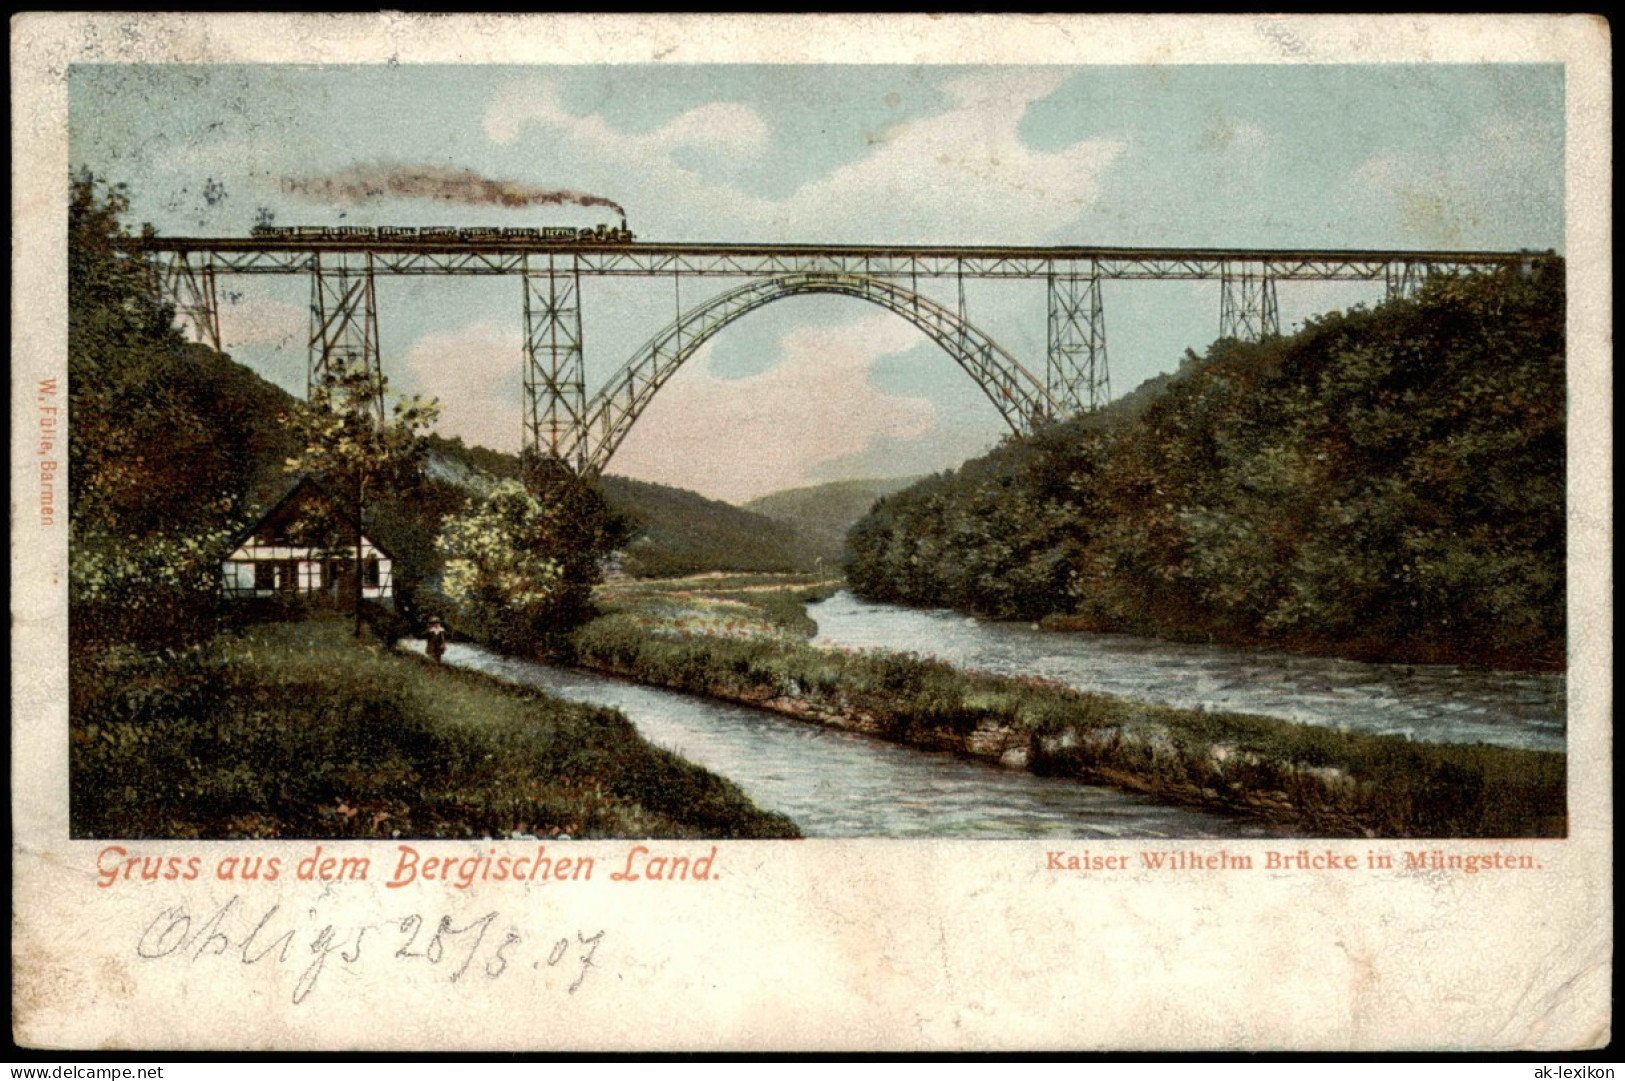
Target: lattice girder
(189, 285)
(1076, 371)
(1404, 280)
(1021, 399)
(1247, 307)
(343, 319)
(555, 365)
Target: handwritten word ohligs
(116, 865)
(464, 951)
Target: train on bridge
(468, 234)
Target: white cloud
(964, 172)
(720, 125)
(739, 438)
(477, 372)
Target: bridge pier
(1404, 280)
(1247, 307)
(1075, 371)
(555, 368)
(343, 319)
(191, 289)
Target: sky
(812, 389)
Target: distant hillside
(455, 462)
(823, 513)
(682, 532)
(678, 531)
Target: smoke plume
(462, 186)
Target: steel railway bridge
(563, 423)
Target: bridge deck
(507, 255)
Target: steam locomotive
(555, 234)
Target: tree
(1385, 482)
(155, 466)
(355, 452)
(521, 563)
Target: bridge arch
(1021, 398)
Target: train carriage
(555, 234)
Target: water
(840, 784)
(1440, 703)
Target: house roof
(305, 487)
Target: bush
(156, 456)
(520, 564)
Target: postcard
(844, 533)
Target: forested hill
(683, 532)
(241, 445)
(823, 513)
(1386, 483)
(674, 531)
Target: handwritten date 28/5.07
(463, 949)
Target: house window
(264, 576)
(239, 578)
(370, 572)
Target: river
(833, 783)
(840, 784)
(1440, 703)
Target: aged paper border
(881, 946)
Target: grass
(727, 605)
(1314, 778)
(296, 730)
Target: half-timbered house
(303, 548)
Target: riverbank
(1429, 704)
(735, 604)
(297, 730)
(1372, 649)
(1314, 779)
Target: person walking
(436, 640)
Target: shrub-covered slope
(1384, 483)
(823, 513)
(682, 532)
